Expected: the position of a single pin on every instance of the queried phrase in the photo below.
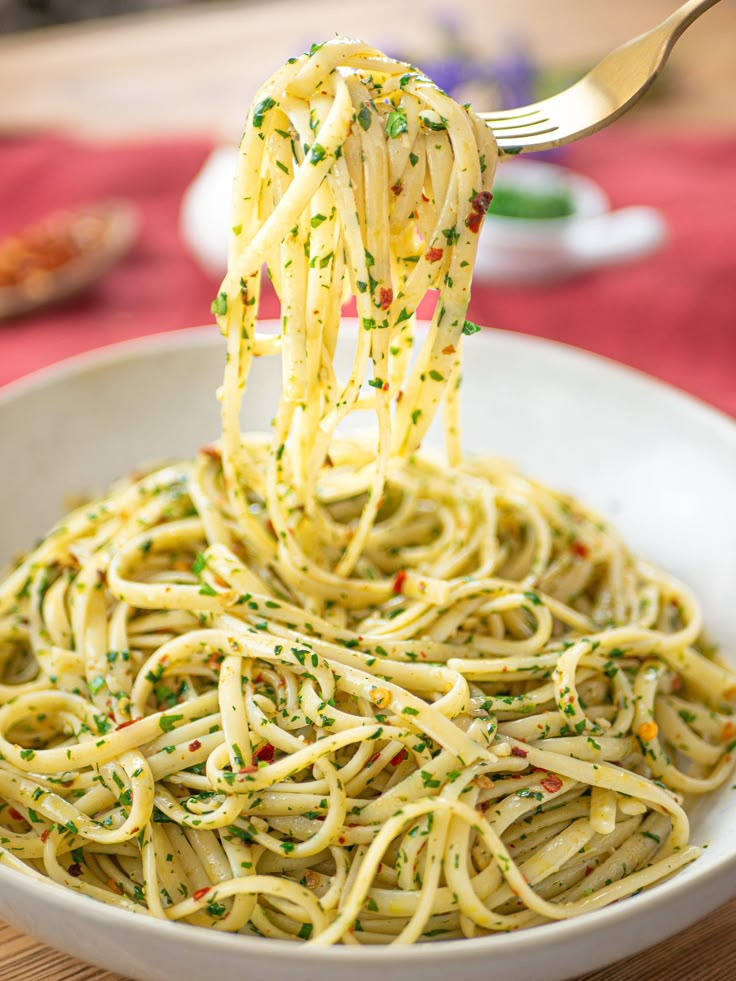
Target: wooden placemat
(704, 952)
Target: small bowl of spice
(62, 255)
(547, 222)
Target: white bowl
(541, 249)
(660, 464)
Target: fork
(604, 94)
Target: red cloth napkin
(672, 314)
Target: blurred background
(621, 244)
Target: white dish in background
(537, 250)
(659, 463)
(510, 249)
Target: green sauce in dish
(514, 202)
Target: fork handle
(683, 17)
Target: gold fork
(604, 94)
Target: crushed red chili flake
(374, 758)
(552, 783)
(434, 255)
(248, 769)
(124, 725)
(386, 297)
(450, 349)
(399, 758)
(518, 751)
(580, 548)
(481, 202)
(75, 869)
(265, 753)
(474, 221)
(399, 580)
(194, 746)
(46, 832)
(397, 188)
(200, 893)
(15, 815)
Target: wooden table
(195, 71)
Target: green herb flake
(396, 123)
(167, 722)
(261, 109)
(219, 305)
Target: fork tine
(521, 126)
(521, 112)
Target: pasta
(324, 686)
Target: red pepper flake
(399, 758)
(75, 870)
(386, 297)
(248, 769)
(111, 884)
(15, 815)
(580, 548)
(194, 746)
(385, 387)
(374, 758)
(474, 221)
(434, 255)
(397, 188)
(518, 751)
(265, 753)
(676, 683)
(424, 197)
(450, 349)
(481, 202)
(399, 581)
(124, 725)
(552, 783)
(588, 869)
(45, 834)
(200, 893)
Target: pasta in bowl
(324, 686)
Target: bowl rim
(201, 335)
(697, 880)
